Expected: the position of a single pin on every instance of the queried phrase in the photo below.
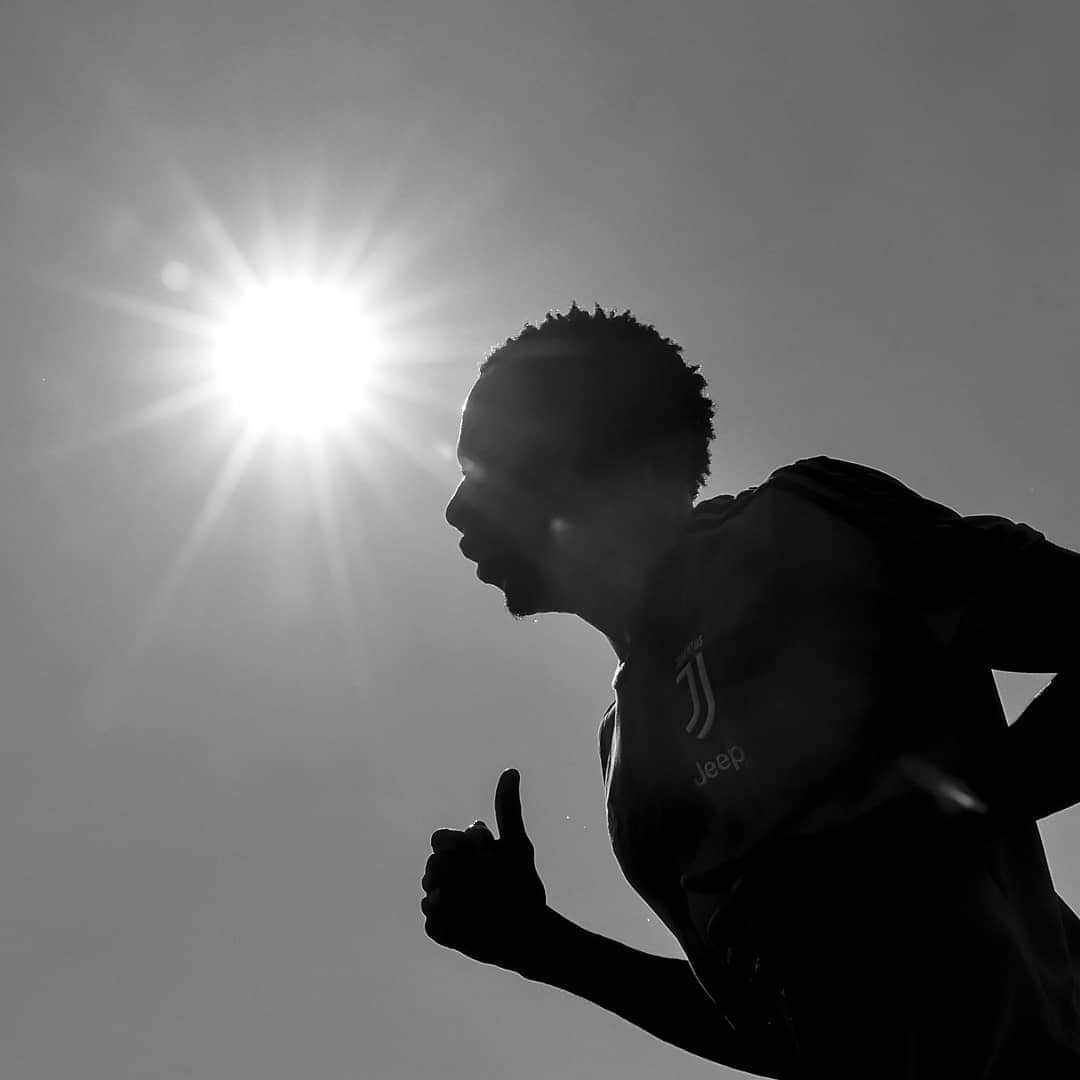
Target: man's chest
(787, 692)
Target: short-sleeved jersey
(802, 662)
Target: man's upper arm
(1024, 618)
(993, 586)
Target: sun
(294, 356)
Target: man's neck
(616, 597)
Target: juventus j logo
(697, 679)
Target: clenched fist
(483, 895)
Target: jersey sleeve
(996, 587)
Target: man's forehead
(497, 420)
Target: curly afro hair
(611, 392)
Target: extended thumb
(508, 808)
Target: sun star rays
(311, 352)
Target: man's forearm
(656, 993)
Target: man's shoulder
(815, 513)
(857, 493)
(837, 474)
(864, 496)
(821, 475)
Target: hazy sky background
(224, 751)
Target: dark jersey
(814, 649)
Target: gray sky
(224, 750)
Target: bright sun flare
(294, 356)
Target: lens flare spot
(176, 276)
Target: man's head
(576, 431)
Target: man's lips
(471, 553)
(486, 569)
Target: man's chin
(523, 598)
(520, 611)
(523, 589)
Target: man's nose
(453, 509)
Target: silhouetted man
(809, 775)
